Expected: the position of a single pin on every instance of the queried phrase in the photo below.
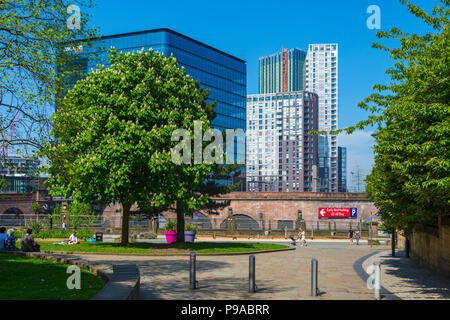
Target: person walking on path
(350, 235)
(302, 238)
(357, 235)
(299, 234)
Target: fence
(246, 223)
(239, 223)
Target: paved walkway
(402, 278)
(279, 275)
(282, 275)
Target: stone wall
(433, 248)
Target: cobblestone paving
(402, 278)
(279, 275)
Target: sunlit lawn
(36, 279)
(155, 248)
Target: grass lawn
(36, 279)
(152, 248)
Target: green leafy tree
(36, 207)
(410, 181)
(81, 215)
(191, 194)
(114, 132)
(3, 183)
(33, 34)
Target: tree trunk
(180, 223)
(125, 222)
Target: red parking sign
(336, 213)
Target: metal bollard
(251, 274)
(193, 284)
(377, 280)
(314, 277)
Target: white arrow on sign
(322, 212)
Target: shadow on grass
(25, 278)
(206, 247)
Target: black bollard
(192, 271)
(314, 277)
(251, 274)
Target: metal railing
(239, 223)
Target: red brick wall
(279, 206)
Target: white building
(280, 152)
(321, 77)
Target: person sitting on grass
(2, 238)
(10, 241)
(72, 239)
(28, 244)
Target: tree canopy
(410, 181)
(113, 135)
(32, 33)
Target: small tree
(3, 183)
(36, 208)
(80, 215)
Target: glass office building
(222, 73)
(19, 174)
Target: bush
(56, 233)
(36, 226)
(190, 227)
(171, 225)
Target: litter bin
(99, 236)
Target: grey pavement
(279, 275)
(402, 278)
(282, 275)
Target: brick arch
(23, 206)
(12, 217)
(243, 221)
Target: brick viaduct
(272, 206)
(279, 206)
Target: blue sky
(250, 29)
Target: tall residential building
(321, 77)
(281, 71)
(342, 169)
(280, 152)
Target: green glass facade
(271, 71)
(224, 74)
